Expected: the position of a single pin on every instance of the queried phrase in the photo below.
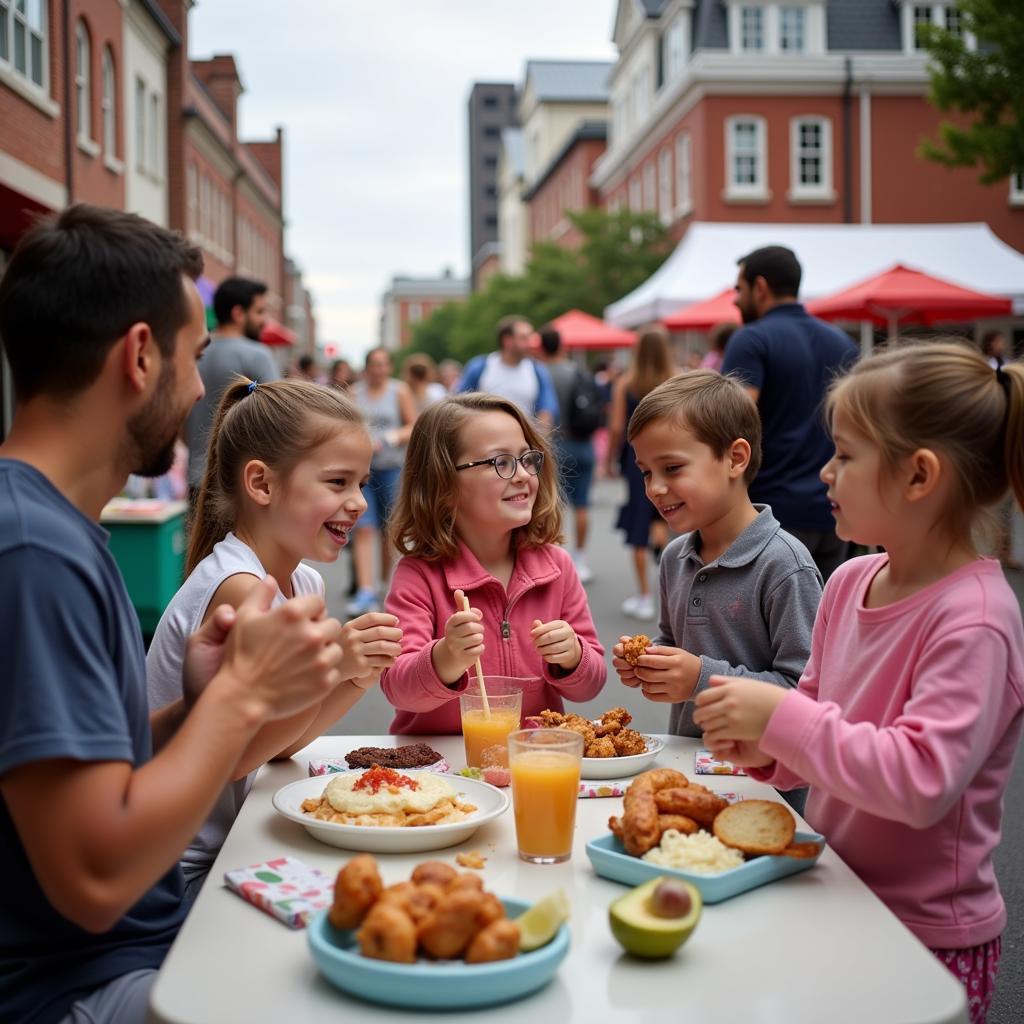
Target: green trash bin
(147, 540)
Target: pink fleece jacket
(544, 586)
(905, 724)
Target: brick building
(412, 299)
(804, 111)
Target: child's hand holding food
(667, 675)
(557, 643)
(624, 657)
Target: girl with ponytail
(286, 465)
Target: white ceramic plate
(622, 767)
(489, 801)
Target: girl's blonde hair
(945, 397)
(652, 363)
(423, 519)
(279, 423)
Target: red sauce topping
(377, 778)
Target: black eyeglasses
(505, 465)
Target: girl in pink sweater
(908, 714)
(479, 514)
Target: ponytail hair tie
(251, 386)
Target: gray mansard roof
(566, 81)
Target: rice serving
(701, 853)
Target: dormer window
(791, 29)
(777, 29)
(752, 29)
(940, 13)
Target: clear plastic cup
(486, 734)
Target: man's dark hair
(307, 362)
(235, 291)
(777, 265)
(76, 283)
(550, 340)
(507, 327)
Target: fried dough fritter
(357, 887)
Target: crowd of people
(892, 697)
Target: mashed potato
(429, 792)
(700, 853)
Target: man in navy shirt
(787, 359)
(103, 327)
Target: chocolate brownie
(412, 755)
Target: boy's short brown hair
(716, 408)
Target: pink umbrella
(702, 316)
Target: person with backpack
(511, 373)
(581, 408)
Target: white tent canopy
(833, 256)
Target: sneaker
(364, 601)
(639, 606)
(582, 569)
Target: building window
(751, 29)
(811, 158)
(650, 188)
(192, 199)
(684, 174)
(492, 131)
(954, 21)
(490, 162)
(636, 200)
(140, 128)
(921, 15)
(23, 39)
(83, 90)
(415, 312)
(674, 49)
(109, 104)
(665, 186)
(746, 158)
(154, 133)
(1017, 188)
(792, 38)
(490, 102)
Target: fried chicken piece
(433, 871)
(640, 828)
(620, 715)
(498, 941)
(399, 892)
(490, 910)
(600, 747)
(464, 880)
(356, 889)
(552, 719)
(634, 647)
(388, 933)
(679, 822)
(658, 778)
(694, 801)
(422, 901)
(628, 742)
(615, 827)
(452, 925)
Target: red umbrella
(581, 330)
(702, 316)
(274, 333)
(909, 296)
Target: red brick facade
(566, 187)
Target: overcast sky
(373, 99)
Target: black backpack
(586, 406)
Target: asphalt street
(612, 583)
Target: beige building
(513, 224)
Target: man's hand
(557, 643)
(204, 653)
(667, 675)
(283, 659)
(369, 644)
(736, 710)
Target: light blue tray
(427, 985)
(610, 860)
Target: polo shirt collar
(745, 548)
(786, 309)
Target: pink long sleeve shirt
(905, 724)
(544, 585)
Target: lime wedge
(537, 926)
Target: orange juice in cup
(545, 769)
(485, 729)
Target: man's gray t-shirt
(221, 361)
(748, 613)
(73, 687)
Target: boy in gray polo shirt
(738, 593)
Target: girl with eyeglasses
(479, 514)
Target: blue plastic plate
(610, 860)
(429, 985)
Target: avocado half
(642, 932)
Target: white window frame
(141, 91)
(415, 312)
(650, 187)
(30, 26)
(153, 140)
(684, 174)
(1017, 188)
(665, 206)
(795, 9)
(756, 191)
(937, 10)
(636, 195)
(83, 84)
(192, 200)
(800, 191)
(674, 48)
(108, 103)
(762, 19)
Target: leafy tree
(618, 252)
(987, 83)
